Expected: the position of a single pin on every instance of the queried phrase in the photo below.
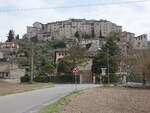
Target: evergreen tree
(11, 36)
(111, 50)
(77, 35)
(17, 37)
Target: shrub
(67, 78)
(25, 78)
(112, 77)
(42, 78)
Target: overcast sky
(133, 17)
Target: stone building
(10, 71)
(140, 42)
(68, 28)
(1, 55)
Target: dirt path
(109, 100)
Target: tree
(100, 61)
(47, 66)
(86, 36)
(77, 35)
(76, 57)
(64, 66)
(17, 37)
(93, 33)
(139, 65)
(11, 36)
(59, 44)
(109, 50)
(110, 45)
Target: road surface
(33, 101)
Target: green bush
(25, 78)
(67, 78)
(42, 78)
(112, 77)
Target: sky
(133, 17)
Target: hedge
(64, 79)
(42, 78)
(67, 78)
(25, 78)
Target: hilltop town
(56, 38)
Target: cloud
(133, 17)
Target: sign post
(75, 71)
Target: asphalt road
(33, 101)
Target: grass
(54, 108)
(21, 90)
(109, 86)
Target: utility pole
(32, 61)
(108, 65)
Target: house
(10, 71)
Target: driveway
(31, 102)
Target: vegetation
(138, 63)
(109, 50)
(76, 57)
(67, 78)
(64, 66)
(25, 78)
(88, 46)
(54, 108)
(77, 35)
(11, 36)
(43, 63)
(59, 44)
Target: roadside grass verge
(11, 88)
(54, 107)
(109, 86)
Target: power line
(73, 6)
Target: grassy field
(12, 88)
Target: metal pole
(75, 82)
(32, 60)
(108, 64)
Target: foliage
(11, 36)
(59, 44)
(93, 33)
(34, 39)
(88, 45)
(101, 60)
(46, 66)
(110, 45)
(139, 64)
(17, 37)
(77, 35)
(112, 77)
(43, 63)
(77, 54)
(67, 78)
(64, 66)
(25, 78)
(42, 78)
(86, 36)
